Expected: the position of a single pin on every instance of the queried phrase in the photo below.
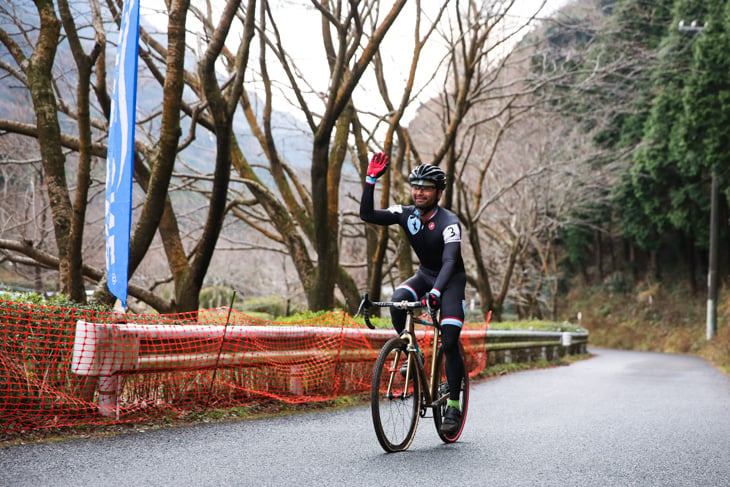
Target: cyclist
(434, 233)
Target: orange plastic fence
(66, 367)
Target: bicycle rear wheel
(394, 399)
(440, 393)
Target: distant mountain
(293, 138)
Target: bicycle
(398, 400)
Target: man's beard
(425, 208)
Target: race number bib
(452, 233)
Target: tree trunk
(405, 259)
(349, 290)
(599, 255)
(321, 294)
(484, 289)
(84, 65)
(498, 303)
(163, 159)
(40, 83)
(690, 259)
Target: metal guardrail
(109, 350)
(527, 346)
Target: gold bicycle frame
(428, 383)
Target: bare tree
(301, 220)
(512, 185)
(154, 159)
(349, 50)
(34, 72)
(304, 218)
(218, 65)
(463, 127)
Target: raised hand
(377, 167)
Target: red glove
(377, 167)
(432, 299)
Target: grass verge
(656, 317)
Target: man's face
(425, 196)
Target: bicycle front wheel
(394, 398)
(440, 393)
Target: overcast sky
(299, 25)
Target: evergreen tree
(656, 196)
(706, 122)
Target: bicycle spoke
(394, 400)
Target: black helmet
(427, 172)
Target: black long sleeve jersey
(437, 243)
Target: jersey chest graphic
(414, 224)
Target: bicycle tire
(440, 393)
(395, 400)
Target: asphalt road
(618, 419)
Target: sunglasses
(425, 189)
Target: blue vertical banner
(120, 154)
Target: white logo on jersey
(414, 224)
(395, 209)
(452, 233)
